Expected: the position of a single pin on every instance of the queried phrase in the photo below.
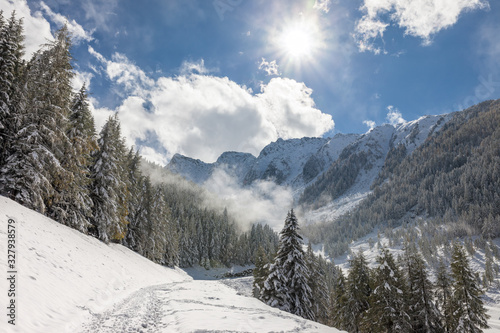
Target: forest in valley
(53, 161)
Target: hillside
(453, 179)
(70, 282)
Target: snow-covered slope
(477, 263)
(69, 282)
(298, 163)
(293, 162)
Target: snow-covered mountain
(71, 282)
(293, 162)
(299, 163)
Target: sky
(201, 77)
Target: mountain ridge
(302, 163)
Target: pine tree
(12, 95)
(34, 175)
(260, 272)
(163, 235)
(109, 189)
(425, 317)
(358, 292)
(74, 207)
(489, 265)
(140, 199)
(468, 312)
(388, 312)
(338, 312)
(287, 286)
(443, 295)
(318, 286)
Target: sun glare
(298, 41)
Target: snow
(70, 282)
(491, 298)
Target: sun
(298, 41)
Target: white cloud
(323, 5)
(288, 105)
(124, 72)
(36, 27)
(101, 115)
(419, 18)
(271, 68)
(153, 156)
(370, 123)
(78, 34)
(80, 79)
(190, 67)
(394, 117)
(202, 116)
(263, 201)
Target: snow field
(70, 282)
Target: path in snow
(68, 282)
(194, 306)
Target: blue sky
(202, 77)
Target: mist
(261, 202)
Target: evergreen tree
(260, 272)
(163, 235)
(425, 317)
(489, 266)
(443, 295)
(388, 312)
(287, 286)
(357, 293)
(140, 200)
(468, 312)
(12, 95)
(338, 312)
(74, 207)
(109, 190)
(317, 282)
(34, 174)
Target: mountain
(368, 159)
(318, 170)
(71, 282)
(448, 187)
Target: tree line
(52, 160)
(395, 296)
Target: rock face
(306, 162)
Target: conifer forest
(55, 161)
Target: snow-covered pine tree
(490, 271)
(171, 253)
(338, 312)
(287, 286)
(260, 272)
(320, 298)
(443, 295)
(162, 237)
(468, 312)
(388, 311)
(12, 94)
(109, 189)
(140, 199)
(358, 292)
(425, 316)
(34, 175)
(75, 204)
